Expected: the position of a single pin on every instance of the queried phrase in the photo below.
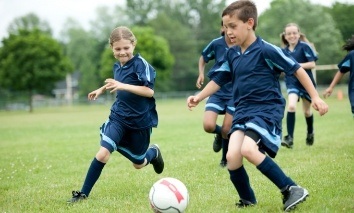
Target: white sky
(55, 12)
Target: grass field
(45, 155)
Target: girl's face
(237, 31)
(123, 50)
(292, 35)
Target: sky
(56, 12)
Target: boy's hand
(192, 101)
(319, 105)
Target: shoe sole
(286, 145)
(302, 199)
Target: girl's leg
(309, 121)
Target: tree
(32, 61)
(153, 48)
(318, 26)
(343, 15)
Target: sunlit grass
(45, 155)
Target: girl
(132, 116)
(302, 52)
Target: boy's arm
(306, 82)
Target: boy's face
(123, 50)
(292, 34)
(236, 30)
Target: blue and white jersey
(347, 65)
(135, 111)
(255, 79)
(215, 50)
(302, 53)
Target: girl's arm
(114, 85)
(208, 90)
(201, 67)
(308, 65)
(334, 82)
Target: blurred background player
(133, 114)
(346, 65)
(219, 103)
(300, 49)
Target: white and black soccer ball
(168, 195)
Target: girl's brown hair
(120, 33)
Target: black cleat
(77, 196)
(158, 161)
(244, 203)
(217, 145)
(288, 142)
(292, 196)
(310, 138)
(223, 163)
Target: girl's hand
(113, 85)
(327, 92)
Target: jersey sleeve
(310, 54)
(223, 72)
(146, 73)
(344, 65)
(208, 52)
(279, 60)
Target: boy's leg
(238, 174)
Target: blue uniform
(219, 102)
(258, 101)
(302, 53)
(347, 65)
(132, 116)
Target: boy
(253, 66)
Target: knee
(247, 152)
(103, 155)
(138, 166)
(209, 127)
(292, 108)
(308, 113)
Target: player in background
(346, 65)
(253, 66)
(132, 116)
(219, 103)
(300, 49)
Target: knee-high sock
(241, 182)
(217, 129)
(309, 122)
(274, 173)
(225, 148)
(92, 176)
(151, 153)
(290, 123)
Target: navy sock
(217, 129)
(225, 148)
(92, 176)
(274, 173)
(241, 182)
(290, 123)
(309, 121)
(151, 153)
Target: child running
(253, 66)
(346, 65)
(132, 116)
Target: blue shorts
(270, 133)
(131, 143)
(300, 93)
(219, 105)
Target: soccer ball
(168, 195)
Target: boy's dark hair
(243, 10)
(349, 45)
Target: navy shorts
(219, 105)
(131, 143)
(300, 93)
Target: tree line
(171, 36)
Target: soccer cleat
(158, 161)
(223, 163)
(77, 196)
(217, 145)
(288, 142)
(292, 196)
(244, 203)
(310, 138)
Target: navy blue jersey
(134, 111)
(215, 50)
(302, 53)
(347, 65)
(256, 90)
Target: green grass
(45, 155)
